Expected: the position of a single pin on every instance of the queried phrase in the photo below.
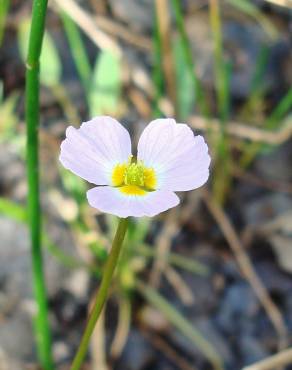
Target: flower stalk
(42, 331)
(102, 292)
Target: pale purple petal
(95, 148)
(179, 158)
(111, 200)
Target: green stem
(102, 292)
(43, 335)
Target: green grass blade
(222, 73)
(157, 73)
(184, 83)
(106, 85)
(255, 102)
(181, 323)
(200, 97)
(221, 68)
(78, 50)
(279, 112)
(277, 115)
(247, 7)
(175, 259)
(4, 7)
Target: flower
(169, 158)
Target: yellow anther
(134, 178)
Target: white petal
(111, 200)
(180, 159)
(95, 148)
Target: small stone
(153, 319)
(16, 336)
(137, 353)
(77, 284)
(137, 14)
(266, 208)
(60, 351)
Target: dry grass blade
(274, 185)
(284, 3)
(97, 345)
(243, 131)
(247, 269)
(141, 80)
(140, 102)
(90, 27)
(124, 322)
(163, 244)
(161, 345)
(118, 30)
(280, 359)
(182, 290)
(87, 24)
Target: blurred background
(207, 285)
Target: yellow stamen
(118, 174)
(132, 190)
(134, 178)
(149, 178)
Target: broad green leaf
(106, 85)
(78, 50)
(13, 210)
(50, 63)
(184, 82)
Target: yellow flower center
(134, 178)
